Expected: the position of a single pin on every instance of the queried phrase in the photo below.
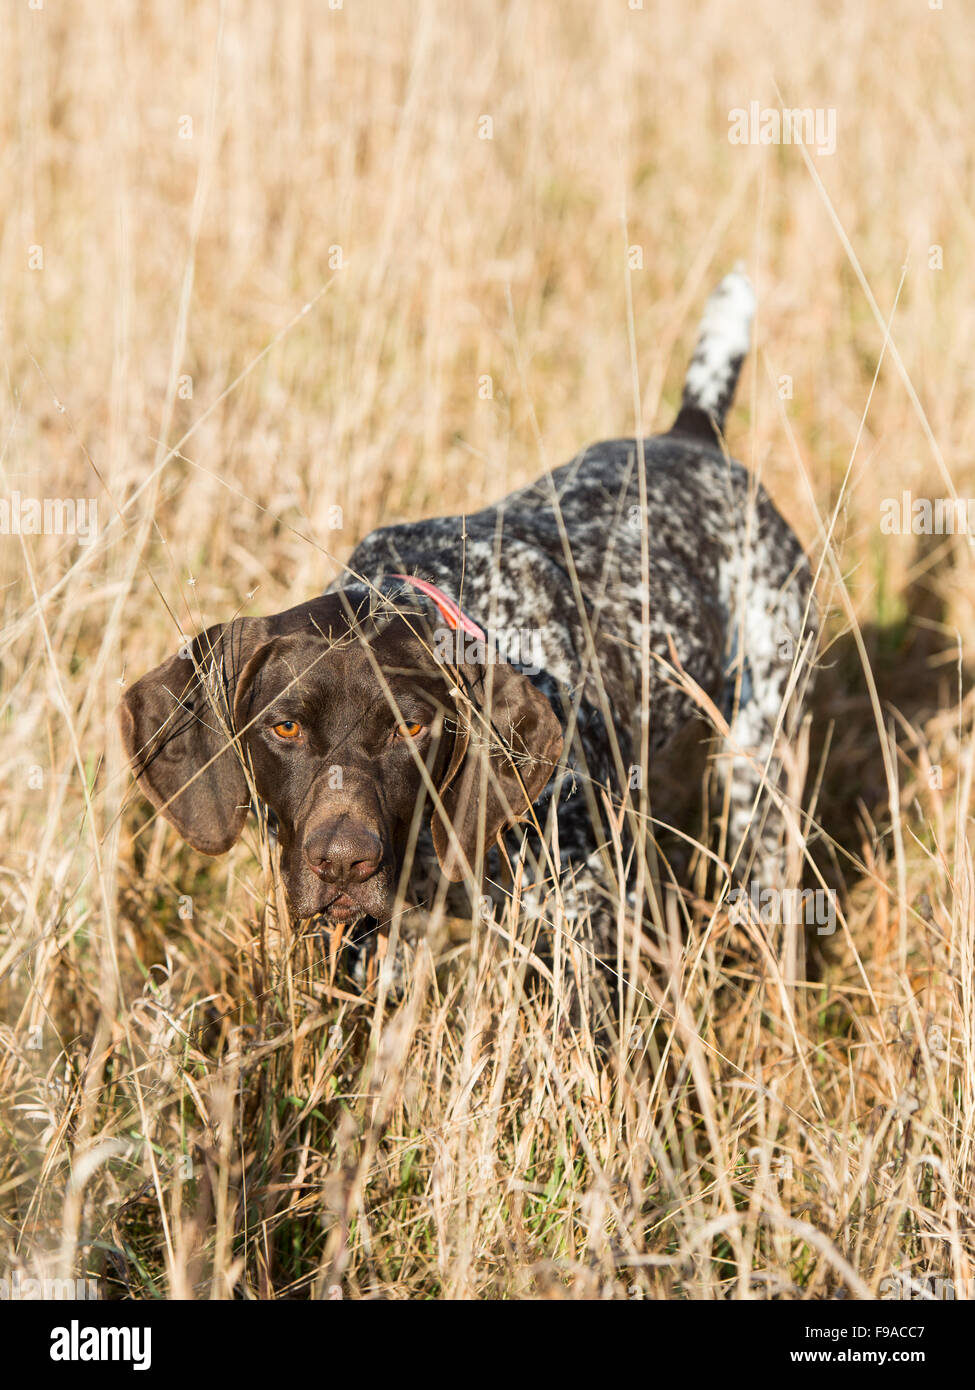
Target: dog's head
(340, 717)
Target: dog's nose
(343, 853)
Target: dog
(396, 736)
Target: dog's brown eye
(408, 729)
(288, 728)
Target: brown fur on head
(338, 709)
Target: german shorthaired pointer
(527, 663)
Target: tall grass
(285, 293)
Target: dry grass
(197, 1104)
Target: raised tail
(721, 346)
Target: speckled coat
(690, 578)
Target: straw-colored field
(256, 263)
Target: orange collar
(451, 612)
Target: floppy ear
(496, 771)
(174, 728)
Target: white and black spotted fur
(729, 602)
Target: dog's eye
(287, 729)
(408, 729)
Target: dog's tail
(721, 346)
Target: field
(275, 275)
